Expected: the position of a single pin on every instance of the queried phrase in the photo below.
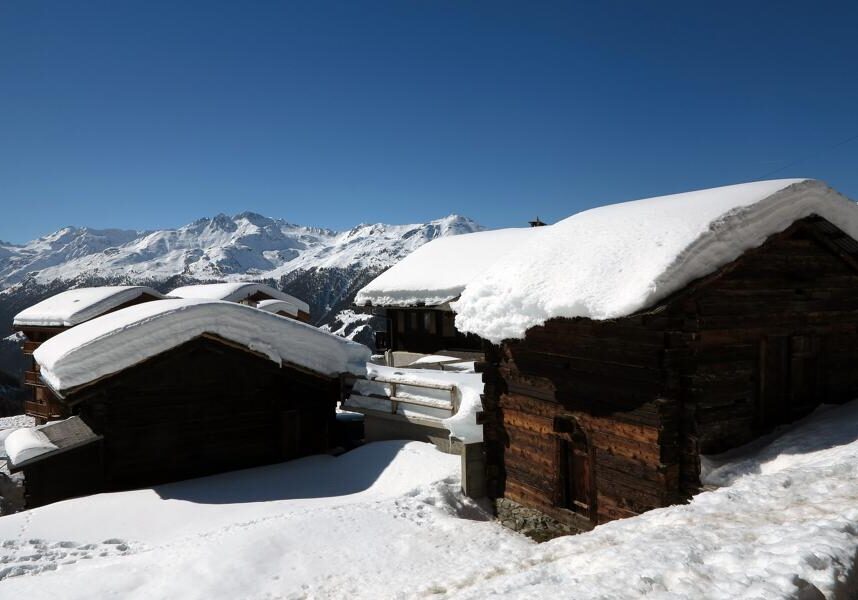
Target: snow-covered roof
(235, 291)
(614, 260)
(121, 339)
(278, 306)
(82, 304)
(438, 271)
(28, 444)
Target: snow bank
(24, 444)
(72, 307)
(126, 337)
(439, 271)
(469, 387)
(235, 291)
(611, 261)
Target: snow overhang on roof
(615, 260)
(236, 292)
(32, 444)
(278, 306)
(124, 338)
(437, 272)
(73, 307)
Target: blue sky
(150, 114)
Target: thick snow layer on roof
(278, 306)
(126, 337)
(439, 271)
(82, 304)
(27, 443)
(612, 261)
(235, 291)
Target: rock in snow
(387, 521)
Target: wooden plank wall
(744, 322)
(205, 408)
(607, 376)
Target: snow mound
(278, 306)
(235, 291)
(614, 260)
(439, 271)
(126, 337)
(72, 307)
(24, 444)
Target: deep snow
(387, 521)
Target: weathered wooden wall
(607, 378)
(427, 330)
(768, 338)
(204, 408)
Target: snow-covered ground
(387, 521)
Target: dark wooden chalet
(198, 404)
(588, 420)
(58, 313)
(415, 294)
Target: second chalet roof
(278, 306)
(236, 291)
(612, 261)
(73, 307)
(437, 272)
(122, 339)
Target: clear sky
(149, 114)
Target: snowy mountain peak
(219, 247)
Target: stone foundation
(530, 522)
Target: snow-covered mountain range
(223, 247)
(323, 267)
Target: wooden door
(577, 492)
(792, 379)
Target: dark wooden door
(792, 378)
(576, 474)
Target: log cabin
(635, 338)
(182, 388)
(58, 313)
(249, 293)
(415, 294)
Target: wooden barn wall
(205, 408)
(768, 339)
(427, 330)
(608, 378)
(76, 472)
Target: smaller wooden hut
(58, 313)
(181, 388)
(249, 293)
(415, 294)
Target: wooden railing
(50, 410)
(396, 400)
(30, 347)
